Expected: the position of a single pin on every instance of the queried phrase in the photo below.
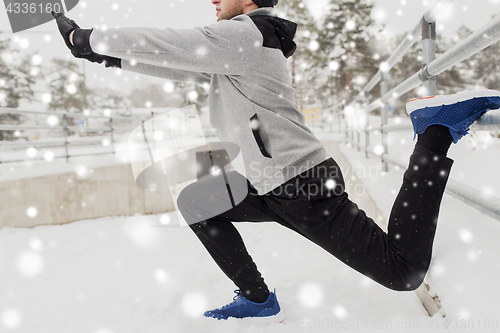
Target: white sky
(400, 15)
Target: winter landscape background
(143, 273)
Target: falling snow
(318, 284)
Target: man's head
(227, 9)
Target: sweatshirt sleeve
(221, 48)
(166, 73)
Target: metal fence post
(384, 115)
(351, 132)
(331, 120)
(428, 55)
(153, 125)
(358, 131)
(339, 119)
(65, 124)
(346, 127)
(112, 134)
(367, 123)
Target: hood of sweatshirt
(277, 32)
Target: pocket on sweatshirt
(260, 136)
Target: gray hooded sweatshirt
(251, 100)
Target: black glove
(81, 37)
(99, 58)
(65, 26)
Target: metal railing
(361, 106)
(103, 132)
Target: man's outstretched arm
(166, 73)
(221, 48)
(158, 71)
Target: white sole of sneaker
(419, 103)
(277, 318)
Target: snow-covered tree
(150, 95)
(109, 99)
(305, 57)
(18, 75)
(191, 93)
(346, 45)
(67, 86)
(483, 68)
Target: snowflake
(168, 87)
(466, 236)
(32, 212)
(193, 95)
(31, 152)
(194, 304)
(334, 65)
(11, 319)
(330, 184)
(378, 150)
(160, 275)
(165, 219)
(384, 67)
(46, 98)
(81, 171)
(52, 120)
(159, 135)
(48, 156)
(340, 312)
(313, 45)
(311, 295)
(30, 264)
(350, 25)
(36, 244)
(71, 89)
(36, 59)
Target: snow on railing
(103, 134)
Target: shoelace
(238, 295)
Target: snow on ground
(134, 274)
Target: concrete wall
(108, 191)
(66, 198)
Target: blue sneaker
(242, 308)
(457, 112)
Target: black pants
(314, 205)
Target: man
(290, 179)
